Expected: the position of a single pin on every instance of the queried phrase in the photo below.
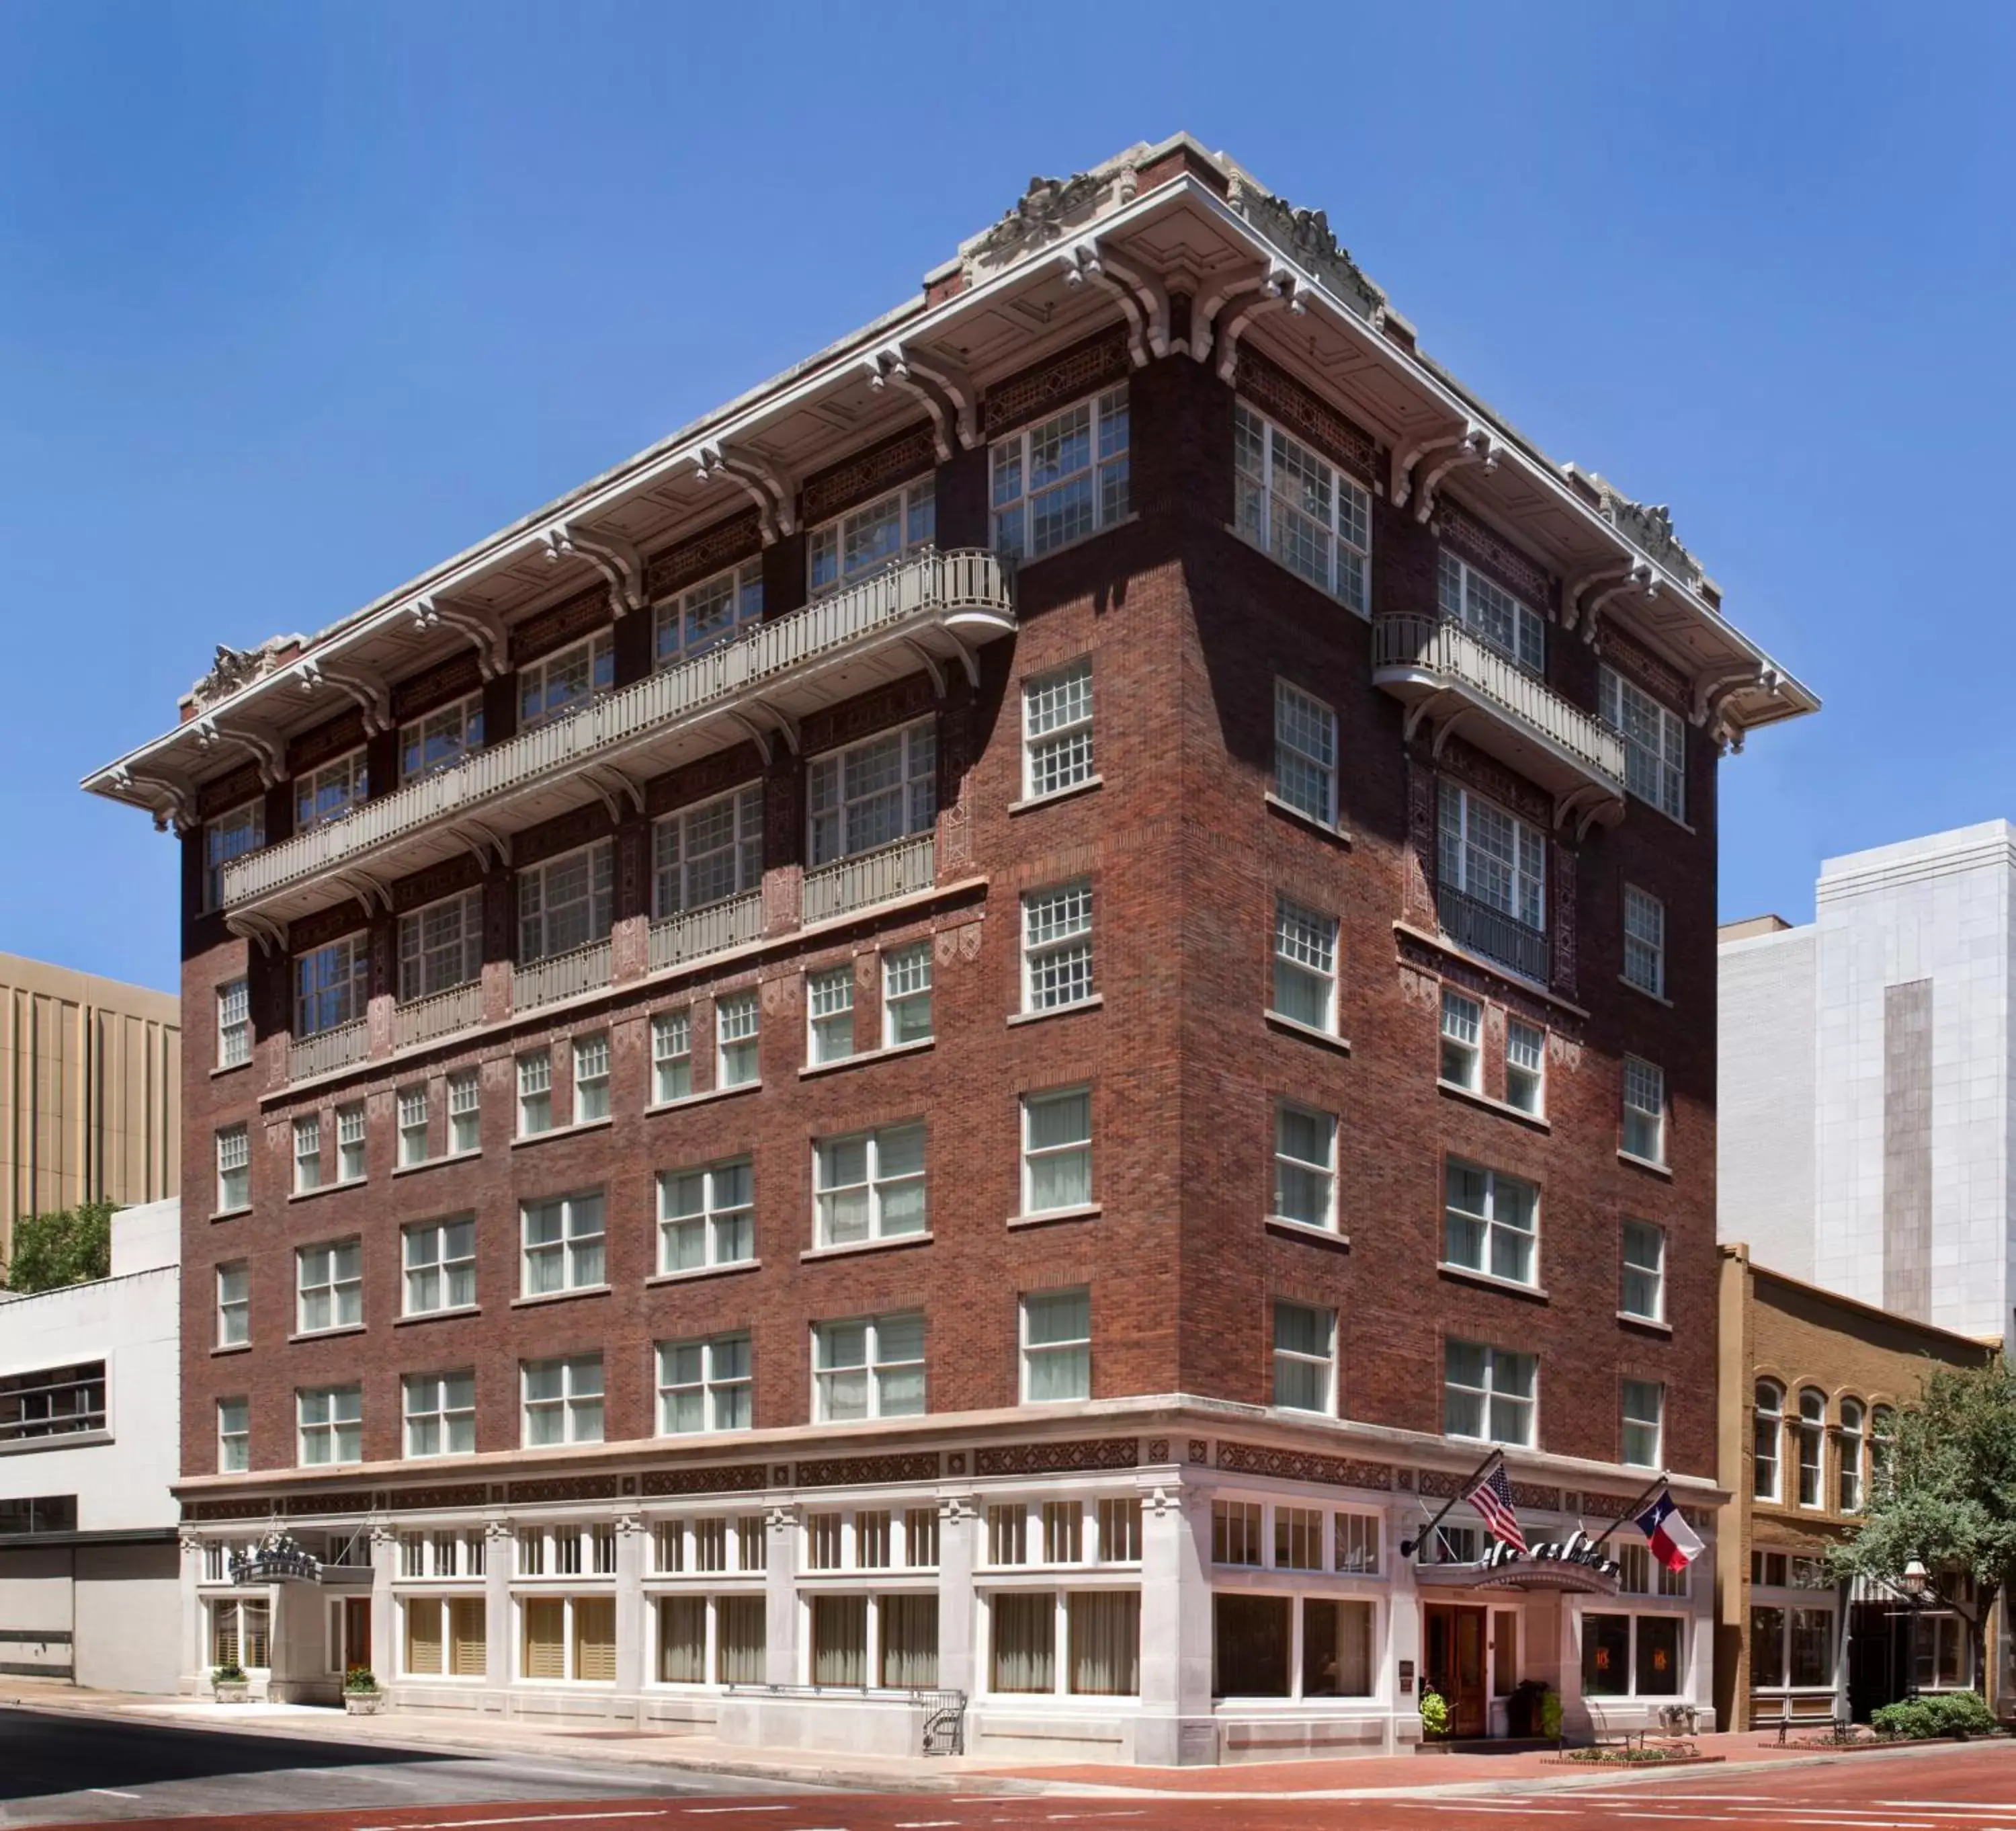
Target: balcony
(1492, 933)
(931, 610)
(1441, 671)
(695, 933)
(561, 975)
(442, 1014)
(870, 877)
(327, 1050)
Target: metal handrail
(326, 1050)
(869, 878)
(440, 1014)
(586, 968)
(1493, 932)
(943, 1731)
(694, 934)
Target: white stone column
(958, 1554)
(1176, 1722)
(384, 1620)
(632, 1630)
(1403, 1720)
(194, 1664)
(499, 1630)
(780, 1593)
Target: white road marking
(111, 1792)
(528, 1818)
(923, 1824)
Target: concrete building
(1062, 958)
(90, 1576)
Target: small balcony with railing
(1492, 933)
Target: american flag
(1490, 1494)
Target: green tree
(69, 1247)
(1948, 1498)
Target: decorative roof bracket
(371, 891)
(365, 685)
(1476, 446)
(956, 386)
(1642, 578)
(1280, 288)
(887, 366)
(272, 935)
(483, 627)
(1145, 300)
(610, 555)
(758, 736)
(485, 842)
(265, 745)
(769, 488)
(173, 802)
(1608, 573)
(931, 666)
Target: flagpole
(1410, 1548)
(1664, 1480)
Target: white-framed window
(1305, 1165)
(1056, 730)
(441, 946)
(240, 1632)
(1642, 1292)
(1644, 1110)
(1639, 1576)
(1057, 1150)
(234, 1168)
(706, 1216)
(1525, 1066)
(873, 792)
(1305, 753)
(1057, 945)
(307, 1152)
(441, 738)
(1812, 1448)
(329, 1286)
(1306, 512)
(704, 1385)
(1492, 858)
(332, 986)
(568, 1639)
(329, 1425)
(1062, 478)
(1491, 612)
(1305, 1357)
(876, 535)
(234, 1304)
(1633, 1655)
(465, 1111)
(868, 1367)
(228, 837)
(1491, 1222)
(1489, 1393)
(591, 1078)
(1057, 1346)
(440, 1414)
(906, 995)
(414, 1147)
(735, 1018)
(1462, 1041)
(1304, 989)
(672, 1055)
(869, 1185)
(535, 1092)
(1882, 1449)
(563, 1240)
(1655, 743)
(1848, 1498)
(1943, 1657)
(565, 679)
(438, 1262)
(830, 1014)
(234, 1436)
(562, 1401)
(1767, 1436)
(446, 1637)
(1355, 1543)
(705, 615)
(350, 1142)
(331, 791)
(707, 853)
(740, 1639)
(566, 902)
(234, 1024)
(1644, 941)
(1644, 1423)
(1070, 1642)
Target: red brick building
(1064, 957)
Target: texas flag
(1673, 1541)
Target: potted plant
(361, 1695)
(1434, 1715)
(228, 1684)
(1550, 1715)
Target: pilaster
(780, 1593)
(959, 1552)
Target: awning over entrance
(1575, 1565)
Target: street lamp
(1916, 1576)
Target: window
(563, 1400)
(1357, 1543)
(1491, 1223)
(1299, 1538)
(869, 1186)
(440, 1414)
(570, 1638)
(1497, 866)
(1631, 1655)
(1812, 1441)
(1654, 745)
(241, 830)
(234, 1168)
(562, 1244)
(1336, 1648)
(1119, 1531)
(330, 791)
(440, 1265)
(591, 1078)
(1766, 1434)
(234, 1024)
(830, 1015)
(839, 1640)
(1063, 478)
(707, 854)
(1057, 1346)
(1024, 1642)
(1235, 1532)
(672, 1055)
(1491, 612)
(1056, 946)
(870, 1367)
(872, 537)
(240, 1632)
(441, 738)
(331, 1424)
(1639, 1576)
(706, 1216)
(568, 678)
(906, 995)
(1850, 1473)
(1644, 1110)
(1304, 1166)
(1311, 518)
(441, 946)
(446, 1637)
(1057, 730)
(1488, 1392)
(1644, 941)
(1644, 1291)
(465, 1111)
(350, 1143)
(535, 1094)
(307, 1153)
(329, 1286)
(704, 1385)
(53, 1401)
(1462, 1030)
(1644, 1423)
(735, 1021)
(706, 615)
(1305, 1358)
(332, 986)
(234, 1305)
(1882, 1448)
(1056, 1150)
(566, 902)
(234, 1436)
(872, 793)
(907, 1631)
(1305, 753)
(1008, 1533)
(1525, 1066)
(412, 1127)
(1942, 1659)
(1304, 966)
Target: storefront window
(1631, 1655)
(1250, 1646)
(1812, 1646)
(1605, 1656)
(1767, 1649)
(1658, 1657)
(1337, 1649)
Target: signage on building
(279, 1557)
(1578, 1548)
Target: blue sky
(297, 299)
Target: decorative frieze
(235, 668)
(327, 925)
(462, 872)
(456, 678)
(236, 1507)
(700, 556)
(579, 827)
(869, 1471)
(1304, 1465)
(415, 1500)
(1637, 663)
(1439, 1484)
(704, 779)
(1488, 550)
(1083, 369)
(896, 704)
(312, 749)
(1567, 944)
(566, 622)
(1489, 778)
(296, 1506)
(228, 791)
(1311, 418)
(563, 1487)
(1068, 1458)
(867, 474)
(737, 1477)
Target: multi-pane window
(1490, 1222)
(1304, 1166)
(413, 1146)
(1813, 1447)
(1644, 941)
(441, 946)
(1356, 1544)
(1767, 1434)
(234, 1024)
(234, 1305)
(566, 902)
(1631, 1655)
(332, 986)
(1491, 613)
(706, 1216)
(1488, 1392)
(1310, 517)
(706, 615)
(873, 536)
(1882, 1449)
(329, 1285)
(1057, 1346)
(307, 1153)
(1236, 1533)
(1056, 946)
(1463, 1033)
(350, 1143)
(441, 738)
(329, 1425)
(446, 1636)
(1644, 1110)
(906, 995)
(234, 1168)
(568, 678)
(1655, 743)
(53, 1401)
(1063, 478)
(465, 1111)
(1849, 1471)
(241, 1632)
(1643, 1292)
(440, 1414)
(563, 1240)
(535, 1092)
(706, 854)
(672, 1055)
(1644, 1422)
(704, 1385)
(231, 836)
(870, 1367)
(330, 791)
(591, 1078)
(1299, 1538)
(1525, 1066)
(563, 1400)
(1056, 730)
(1304, 965)
(870, 1185)
(872, 793)
(736, 1064)
(234, 1436)
(830, 1015)
(1057, 1150)
(1305, 753)
(439, 1264)
(1305, 1357)
(1487, 855)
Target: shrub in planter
(360, 1679)
(1951, 1712)
(1550, 1715)
(228, 1684)
(1434, 1713)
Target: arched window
(1812, 1443)
(1850, 1497)
(1882, 1449)
(1767, 1425)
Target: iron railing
(870, 877)
(441, 1014)
(561, 976)
(697, 933)
(1492, 933)
(327, 1050)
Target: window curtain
(423, 1635)
(545, 1631)
(468, 1651)
(683, 1639)
(739, 1640)
(1025, 1641)
(839, 1640)
(595, 1638)
(909, 1641)
(1104, 1633)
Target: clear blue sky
(296, 299)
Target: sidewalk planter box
(363, 1703)
(233, 1694)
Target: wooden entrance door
(1454, 1664)
(357, 1633)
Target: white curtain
(739, 1640)
(839, 1640)
(683, 1639)
(1025, 1640)
(909, 1641)
(1105, 1629)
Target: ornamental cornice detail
(1047, 209)
(1306, 238)
(1648, 526)
(237, 668)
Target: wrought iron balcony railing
(1493, 933)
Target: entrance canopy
(1574, 1565)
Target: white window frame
(234, 1161)
(1266, 508)
(690, 622)
(1038, 511)
(1851, 1480)
(536, 680)
(1057, 735)
(457, 727)
(672, 1055)
(877, 1186)
(1526, 1080)
(1075, 1349)
(234, 1023)
(1767, 1419)
(1305, 746)
(234, 1436)
(332, 986)
(1462, 1040)
(576, 1399)
(1471, 866)
(725, 1220)
(832, 559)
(229, 836)
(1654, 1271)
(1489, 1395)
(1641, 1080)
(1496, 1234)
(345, 781)
(537, 910)
(580, 1247)
(341, 1409)
(415, 1141)
(830, 798)
(447, 1267)
(307, 1152)
(321, 1272)
(723, 1383)
(1495, 616)
(1321, 1175)
(1305, 946)
(535, 1074)
(447, 1415)
(738, 1026)
(1637, 1392)
(1033, 1154)
(830, 1014)
(234, 1304)
(684, 878)
(1302, 1358)
(352, 1143)
(1057, 946)
(1655, 743)
(906, 988)
(1810, 1434)
(874, 1367)
(465, 1102)
(591, 1077)
(430, 964)
(1644, 941)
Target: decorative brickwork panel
(564, 1488)
(298, 1506)
(1567, 945)
(313, 748)
(451, 875)
(227, 792)
(245, 1507)
(1158, 1449)
(863, 1470)
(700, 556)
(412, 1499)
(327, 925)
(1111, 1452)
(739, 1478)
(1636, 662)
(1493, 554)
(1433, 968)
(1281, 397)
(896, 703)
(703, 780)
(1418, 896)
(867, 474)
(1435, 1486)
(453, 679)
(563, 834)
(1536, 1500)
(1298, 1466)
(567, 621)
(954, 837)
(1489, 778)
(1199, 1451)
(1083, 369)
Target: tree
(1949, 1497)
(69, 1247)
